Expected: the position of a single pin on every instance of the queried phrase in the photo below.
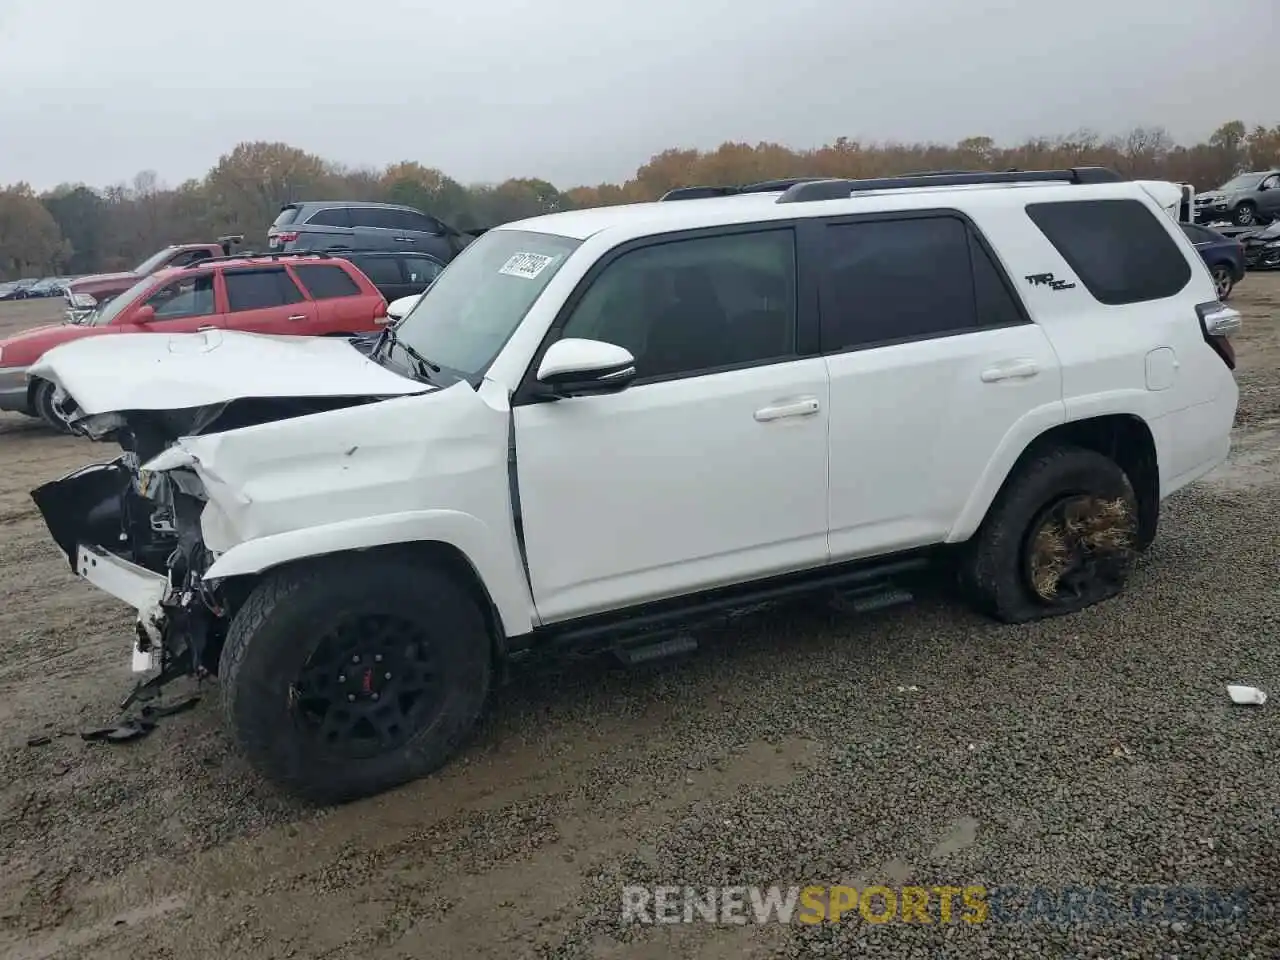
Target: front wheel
(42, 404)
(1246, 215)
(346, 677)
(1061, 536)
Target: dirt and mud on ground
(921, 745)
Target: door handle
(207, 326)
(804, 407)
(1011, 370)
(298, 316)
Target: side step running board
(875, 596)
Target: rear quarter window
(326, 281)
(1117, 248)
(287, 216)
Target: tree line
(77, 229)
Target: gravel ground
(921, 745)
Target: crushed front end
(136, 535)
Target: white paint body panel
(152, 371)
(914, 427)
(430, 467)
(670, 487)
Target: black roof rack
(250, 255)
(764, 186)
(842, 189)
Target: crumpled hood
(1211, 195)
(151, 371)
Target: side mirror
(144, 314)
(575, 368)
(399, 309)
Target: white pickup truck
(600, 426)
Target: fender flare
(1026, 431)
(498, 570)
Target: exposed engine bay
(118, 515)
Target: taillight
(380, 312)
(288, 237)
(1218, 322)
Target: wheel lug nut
(351, 698)
(342, 678)
(387, 675)
(377, 658)
(375, 696)
(355, 658)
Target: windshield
(153, 262)
(1246, 181)
(470, 312)
(116, 305)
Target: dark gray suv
(335, 225)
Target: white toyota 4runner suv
(601, 426)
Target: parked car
(1222, 255)
(601, 426)
(335, 225)
(19, 289)
(86, 294)
(48, 287)
(8, 291)
(395, 273)
(1262, 248)
(1244, 200)
(304, 295)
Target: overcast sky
(580, 91)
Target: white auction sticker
(527, 265)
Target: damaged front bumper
(139, 540)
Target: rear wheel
(1060, 537)
(1223, 280)
(346, 677)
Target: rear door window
(421, 269)
(379, 269)
(259, 289)
(372, 217)
(417, 222)
(1119, 250)
(326, 281)
(891, 281)
(331, 217)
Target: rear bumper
(13, 389)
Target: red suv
(297, 295)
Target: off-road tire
(991, 568)
(1245, 214)
(279, 625)
(42, 404)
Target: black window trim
(816, 229)
(806, 341)
(1074, 263)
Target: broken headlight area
(136, 535)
